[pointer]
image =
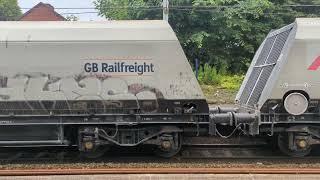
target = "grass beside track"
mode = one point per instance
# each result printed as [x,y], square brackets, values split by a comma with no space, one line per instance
[218,95]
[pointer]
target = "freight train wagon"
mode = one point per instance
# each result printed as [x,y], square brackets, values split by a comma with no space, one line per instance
[128,83]
[93,84]
[282,87]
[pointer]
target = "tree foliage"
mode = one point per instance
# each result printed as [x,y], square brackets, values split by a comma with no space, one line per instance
[72,18]
[222,33]
[121,9]
[9,10]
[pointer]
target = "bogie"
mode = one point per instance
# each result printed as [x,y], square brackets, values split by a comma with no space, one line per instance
[294,144]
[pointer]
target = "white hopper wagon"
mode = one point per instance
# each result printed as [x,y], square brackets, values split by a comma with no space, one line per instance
[60,79]
[282,87]
[128,83]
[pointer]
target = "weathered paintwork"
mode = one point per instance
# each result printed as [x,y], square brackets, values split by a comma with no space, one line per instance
[296,67]
[93,61]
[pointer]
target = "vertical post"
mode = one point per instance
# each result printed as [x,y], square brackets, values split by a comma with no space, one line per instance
[165,5]
[197,67]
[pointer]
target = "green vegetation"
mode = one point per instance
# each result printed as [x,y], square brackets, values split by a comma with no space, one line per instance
[218,95]
[9,10]
[217,87]
[208,75]
[72,18]
[231,82]
[222,33]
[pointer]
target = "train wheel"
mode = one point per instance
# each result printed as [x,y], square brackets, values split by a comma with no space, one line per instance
[97,153]
[299,151]
[170,145]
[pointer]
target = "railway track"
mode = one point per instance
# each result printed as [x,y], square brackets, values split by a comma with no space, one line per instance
[195,148]
[192,149]
[192,160]
[46,172]
[187,152]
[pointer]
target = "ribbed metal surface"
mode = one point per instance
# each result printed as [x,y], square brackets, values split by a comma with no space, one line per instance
[263,67]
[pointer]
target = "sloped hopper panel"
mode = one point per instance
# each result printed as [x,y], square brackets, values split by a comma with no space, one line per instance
[264,63]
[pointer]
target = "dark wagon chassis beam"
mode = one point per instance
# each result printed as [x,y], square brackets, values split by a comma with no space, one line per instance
[127,126]
[123,119]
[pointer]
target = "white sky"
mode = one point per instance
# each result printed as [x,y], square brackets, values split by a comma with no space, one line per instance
[66,4]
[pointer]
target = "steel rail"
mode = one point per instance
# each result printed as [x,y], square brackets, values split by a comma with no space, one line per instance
[44,172]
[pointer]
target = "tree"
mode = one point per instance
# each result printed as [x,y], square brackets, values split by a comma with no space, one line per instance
[9,10]
[233,31]
[72,18]
[222,33]
[120,9]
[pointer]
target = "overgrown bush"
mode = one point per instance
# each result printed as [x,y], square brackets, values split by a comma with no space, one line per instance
[208,75]
[231,82]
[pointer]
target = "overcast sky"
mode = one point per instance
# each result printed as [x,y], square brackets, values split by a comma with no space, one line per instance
[66,4]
